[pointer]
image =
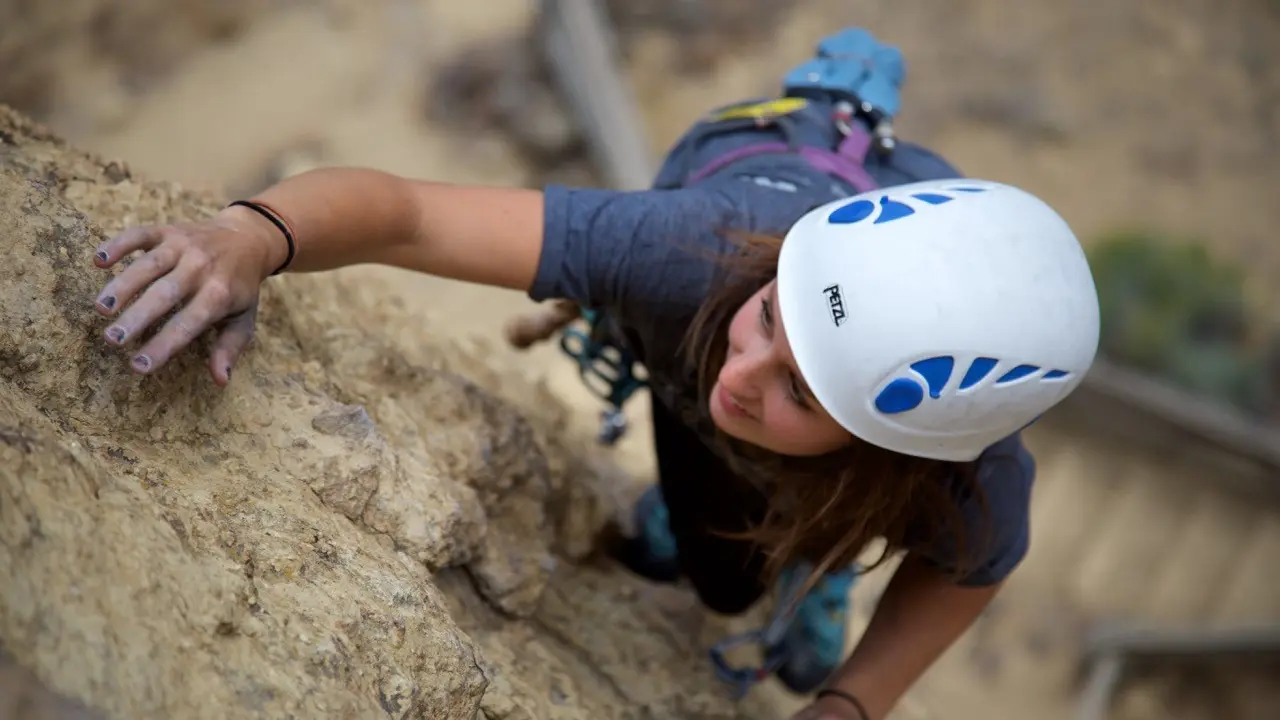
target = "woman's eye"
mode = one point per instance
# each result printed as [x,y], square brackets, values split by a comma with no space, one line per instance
[797,394]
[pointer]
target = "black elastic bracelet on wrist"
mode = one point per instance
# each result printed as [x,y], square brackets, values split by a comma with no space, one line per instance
[847,697]
[276,220]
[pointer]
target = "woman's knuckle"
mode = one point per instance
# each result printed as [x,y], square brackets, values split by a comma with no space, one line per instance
[219,292]
[199,259]
[158,258]
[169,290]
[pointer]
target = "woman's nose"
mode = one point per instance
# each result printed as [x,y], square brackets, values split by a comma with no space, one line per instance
[741,374]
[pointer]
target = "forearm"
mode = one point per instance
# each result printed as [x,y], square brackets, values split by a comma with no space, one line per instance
[349,216]
[919,616]
[341,216]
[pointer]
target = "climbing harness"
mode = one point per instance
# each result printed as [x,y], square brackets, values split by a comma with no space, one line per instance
[607,369]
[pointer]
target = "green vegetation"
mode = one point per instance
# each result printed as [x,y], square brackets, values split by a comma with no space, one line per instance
[1172,310]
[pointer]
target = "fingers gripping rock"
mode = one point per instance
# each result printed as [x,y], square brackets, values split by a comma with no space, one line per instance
[50,336]
[161,552]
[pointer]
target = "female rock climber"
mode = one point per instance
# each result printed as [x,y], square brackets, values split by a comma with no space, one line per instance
[843,339]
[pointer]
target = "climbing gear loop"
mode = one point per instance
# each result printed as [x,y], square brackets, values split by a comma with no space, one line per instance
[608,370]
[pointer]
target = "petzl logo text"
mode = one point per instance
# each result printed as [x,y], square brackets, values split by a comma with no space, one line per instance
[835,303]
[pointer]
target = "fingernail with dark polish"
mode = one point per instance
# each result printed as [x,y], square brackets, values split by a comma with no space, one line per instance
[116,334]
[142,362]
[228,372]
[102,255]
[108,302]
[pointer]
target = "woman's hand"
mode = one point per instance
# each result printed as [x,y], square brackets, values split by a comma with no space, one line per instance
[210,272]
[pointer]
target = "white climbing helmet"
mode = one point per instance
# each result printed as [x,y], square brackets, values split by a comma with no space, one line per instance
[936,318]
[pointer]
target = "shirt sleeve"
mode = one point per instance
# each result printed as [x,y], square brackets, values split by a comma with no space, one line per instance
[999,537]
[610,248]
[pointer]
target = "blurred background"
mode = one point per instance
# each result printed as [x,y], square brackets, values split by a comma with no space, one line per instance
[1152,589]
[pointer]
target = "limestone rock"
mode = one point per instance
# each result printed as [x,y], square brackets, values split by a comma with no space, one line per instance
[360,525]
[170,550]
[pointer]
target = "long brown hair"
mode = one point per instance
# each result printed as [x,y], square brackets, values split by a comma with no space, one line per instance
[828,509]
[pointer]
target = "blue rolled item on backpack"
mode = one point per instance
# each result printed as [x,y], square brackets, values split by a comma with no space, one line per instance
[852,62]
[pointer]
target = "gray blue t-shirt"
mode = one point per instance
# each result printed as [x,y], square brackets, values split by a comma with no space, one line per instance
[634,254]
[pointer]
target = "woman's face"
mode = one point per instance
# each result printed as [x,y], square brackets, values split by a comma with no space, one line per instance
[759,396]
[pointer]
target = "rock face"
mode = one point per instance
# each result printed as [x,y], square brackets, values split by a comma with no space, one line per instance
[355,527]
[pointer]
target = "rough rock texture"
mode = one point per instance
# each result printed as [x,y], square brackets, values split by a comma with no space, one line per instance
[354,528]
[161,550]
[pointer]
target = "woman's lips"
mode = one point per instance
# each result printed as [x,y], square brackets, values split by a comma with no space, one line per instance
[729,405]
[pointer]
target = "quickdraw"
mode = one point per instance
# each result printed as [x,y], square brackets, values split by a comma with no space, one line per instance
[608,370]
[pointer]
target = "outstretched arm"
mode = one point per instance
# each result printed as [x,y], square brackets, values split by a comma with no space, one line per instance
[210,271]
[349,216]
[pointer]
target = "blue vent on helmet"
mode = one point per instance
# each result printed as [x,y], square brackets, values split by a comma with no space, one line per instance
[978,369]
[904,394]
[936,371]
[933,198]
[854,212]
[1017,374]
[900,396]
[890,208]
